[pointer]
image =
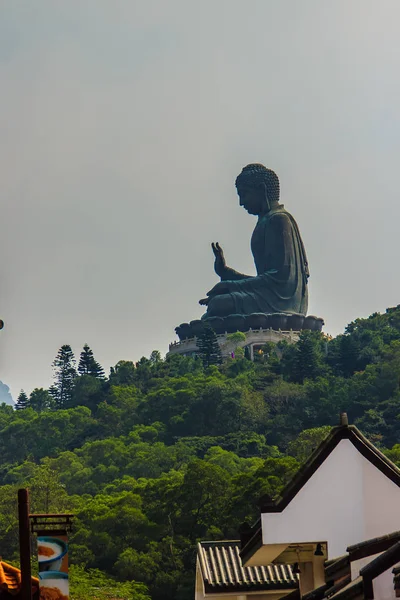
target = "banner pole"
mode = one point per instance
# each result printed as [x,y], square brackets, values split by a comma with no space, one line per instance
[24,544]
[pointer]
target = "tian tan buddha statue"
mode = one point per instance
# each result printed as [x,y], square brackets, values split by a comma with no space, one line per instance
[280,285]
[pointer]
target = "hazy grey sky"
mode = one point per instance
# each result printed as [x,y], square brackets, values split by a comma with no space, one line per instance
[123,126]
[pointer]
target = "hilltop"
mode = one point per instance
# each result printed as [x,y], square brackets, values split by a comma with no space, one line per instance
[165,452]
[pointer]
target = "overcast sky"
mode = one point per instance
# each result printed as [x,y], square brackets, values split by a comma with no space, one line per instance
[123,126]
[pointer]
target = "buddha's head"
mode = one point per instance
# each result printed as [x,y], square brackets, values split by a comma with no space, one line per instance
[258,189]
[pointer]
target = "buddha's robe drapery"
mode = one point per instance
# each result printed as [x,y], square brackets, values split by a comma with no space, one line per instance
[282,272]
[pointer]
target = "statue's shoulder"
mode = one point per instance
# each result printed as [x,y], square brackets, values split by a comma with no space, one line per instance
[282,219]
[279,213]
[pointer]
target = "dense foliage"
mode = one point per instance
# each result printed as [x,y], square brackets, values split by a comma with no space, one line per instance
[163,453]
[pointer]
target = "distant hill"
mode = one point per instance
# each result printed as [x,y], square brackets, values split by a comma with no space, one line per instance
[5,394]
[166,452]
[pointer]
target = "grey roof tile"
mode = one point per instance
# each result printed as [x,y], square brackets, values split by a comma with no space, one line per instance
[222,570]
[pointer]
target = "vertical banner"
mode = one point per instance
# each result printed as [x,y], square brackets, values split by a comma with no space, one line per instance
[53,567]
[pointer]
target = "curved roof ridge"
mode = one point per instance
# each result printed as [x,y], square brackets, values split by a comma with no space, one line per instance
[320,454]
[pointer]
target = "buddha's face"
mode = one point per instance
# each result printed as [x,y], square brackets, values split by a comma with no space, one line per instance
[252,199]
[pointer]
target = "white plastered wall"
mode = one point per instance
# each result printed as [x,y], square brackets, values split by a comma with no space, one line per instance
[345,502]
[357,565]
[383,586]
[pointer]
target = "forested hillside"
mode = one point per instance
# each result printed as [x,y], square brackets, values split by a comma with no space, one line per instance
[163,453]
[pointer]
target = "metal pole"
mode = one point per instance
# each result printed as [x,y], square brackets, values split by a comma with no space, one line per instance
[24,544]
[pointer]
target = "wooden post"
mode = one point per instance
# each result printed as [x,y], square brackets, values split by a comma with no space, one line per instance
[24,544]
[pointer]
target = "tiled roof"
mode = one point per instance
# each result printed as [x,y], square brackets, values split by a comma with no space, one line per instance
[362,586]
[222,570]
[337,568]
[382,562]
[328,590]
[10,579]
[317,594]
[373,546]
[354,589]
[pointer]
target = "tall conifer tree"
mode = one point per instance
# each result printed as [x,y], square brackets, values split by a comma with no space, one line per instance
[64,376]
[22,401]
[88,365]
[209,350]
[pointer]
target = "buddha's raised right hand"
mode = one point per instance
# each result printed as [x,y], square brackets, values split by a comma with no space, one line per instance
[219,263]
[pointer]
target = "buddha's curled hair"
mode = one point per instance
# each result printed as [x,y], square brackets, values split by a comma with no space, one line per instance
[255,174]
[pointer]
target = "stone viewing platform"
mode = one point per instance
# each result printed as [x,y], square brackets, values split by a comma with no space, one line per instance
[273,328]
[254,341]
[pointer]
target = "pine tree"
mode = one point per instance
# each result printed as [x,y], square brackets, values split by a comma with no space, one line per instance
[88,365]
[209,350]
[64,376]
[22,401]
[53,391]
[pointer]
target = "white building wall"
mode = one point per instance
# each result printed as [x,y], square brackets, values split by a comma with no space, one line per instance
[346,501]
[357,565]
[381,502]
[384,587]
